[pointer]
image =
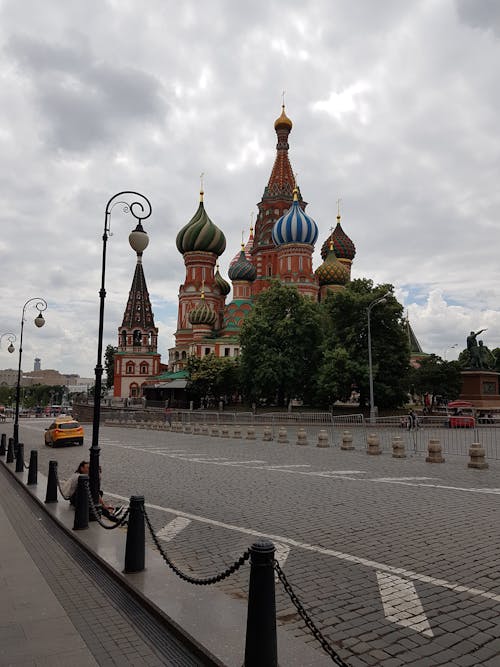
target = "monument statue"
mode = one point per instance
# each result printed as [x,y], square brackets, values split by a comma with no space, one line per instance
[477,353]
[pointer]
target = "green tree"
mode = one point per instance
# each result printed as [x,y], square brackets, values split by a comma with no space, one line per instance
[346,327]
[212,377]
[109,365]
[336,375]
[281,346]
[437,377]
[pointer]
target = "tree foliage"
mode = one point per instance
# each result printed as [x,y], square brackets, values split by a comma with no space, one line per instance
[109,365]
[211,377]
[281,346]
[437,377]
[345,348]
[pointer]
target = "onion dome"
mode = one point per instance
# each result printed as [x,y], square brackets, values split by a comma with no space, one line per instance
[202,314]
[343,246]
[295,226]
[283,120]
[242,269]
[248,249]
[223,285]
[201,234]
[332,272]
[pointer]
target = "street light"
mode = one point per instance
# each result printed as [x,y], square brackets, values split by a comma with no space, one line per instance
[450,347]
[40,305]
[382,299]
[12,339]
[138,239]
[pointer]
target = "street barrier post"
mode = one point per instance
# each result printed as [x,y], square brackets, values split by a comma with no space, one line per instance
[3,442]
[33,469]
[10,451]
[82,504]
[261,648]
[51,494]
[20,457]
[135,547]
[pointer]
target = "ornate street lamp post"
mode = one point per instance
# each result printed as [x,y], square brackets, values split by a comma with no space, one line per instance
[12,340]
[382,299]
[140,208]
[41,306]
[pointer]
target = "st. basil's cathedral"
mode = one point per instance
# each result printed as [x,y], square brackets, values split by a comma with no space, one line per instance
[280,248]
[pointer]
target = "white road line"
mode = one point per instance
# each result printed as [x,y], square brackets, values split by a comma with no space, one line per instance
[289,465]
[401,603]
[330,473]
[319,473]
[173,528]
[366,562]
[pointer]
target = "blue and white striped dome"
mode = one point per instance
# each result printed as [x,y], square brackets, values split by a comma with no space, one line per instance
[295,226]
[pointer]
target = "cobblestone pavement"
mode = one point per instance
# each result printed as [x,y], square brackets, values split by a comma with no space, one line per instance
[396,560]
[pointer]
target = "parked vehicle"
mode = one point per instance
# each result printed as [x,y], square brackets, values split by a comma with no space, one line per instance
[64,431]
[461,414]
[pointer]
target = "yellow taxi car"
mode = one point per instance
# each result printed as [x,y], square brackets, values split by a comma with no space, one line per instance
[64,431]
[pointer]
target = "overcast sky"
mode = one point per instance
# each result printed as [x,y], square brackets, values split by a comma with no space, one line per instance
[394,108]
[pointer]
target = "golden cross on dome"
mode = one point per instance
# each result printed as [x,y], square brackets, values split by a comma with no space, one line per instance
[338,207]
[283,98]
[201,185]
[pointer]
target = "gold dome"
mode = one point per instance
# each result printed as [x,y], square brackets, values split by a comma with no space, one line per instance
[283,120]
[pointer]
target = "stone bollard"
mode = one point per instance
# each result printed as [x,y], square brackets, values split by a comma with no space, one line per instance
[188,428]
[3,445]
[282,435]
[204,429]
[196,429]
[346,443]
[268,434]
[302,436]
[224,431]
[323,439]
[251,433]
[398,447]
[434,452]
[237,432]
[135,547]
[215,430]
[373,442]
[476,453]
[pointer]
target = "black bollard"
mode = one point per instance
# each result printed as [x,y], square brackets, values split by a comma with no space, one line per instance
[3,448]
[10,451]
[135,548]
[82,504]
[51,495]
[261,644]
[20,457]
[33,469]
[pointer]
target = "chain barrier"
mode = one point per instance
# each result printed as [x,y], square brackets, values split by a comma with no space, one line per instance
[307,619]
[60,488]
[194,580]
[120,522]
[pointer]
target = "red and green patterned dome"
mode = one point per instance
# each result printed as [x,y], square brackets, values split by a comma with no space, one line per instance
[332,272]
[223,285]
[343,246]
[202,314]
[201,234]
[242,269]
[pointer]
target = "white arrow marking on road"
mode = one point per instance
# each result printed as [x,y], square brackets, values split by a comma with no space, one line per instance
[402,604]
[173,528]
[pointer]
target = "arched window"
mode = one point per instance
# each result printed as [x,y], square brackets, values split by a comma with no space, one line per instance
[183,356]
[144,368]
[124,338]
[130,368]
[137,337]
[134,390]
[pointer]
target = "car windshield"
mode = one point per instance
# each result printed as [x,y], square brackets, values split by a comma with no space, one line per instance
[68,425]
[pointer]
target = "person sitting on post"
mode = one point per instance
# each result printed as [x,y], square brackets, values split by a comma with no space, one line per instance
[70,486]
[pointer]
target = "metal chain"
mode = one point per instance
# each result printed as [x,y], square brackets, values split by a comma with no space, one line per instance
[60,488]
[307,619]
[95,512]
[194,580]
